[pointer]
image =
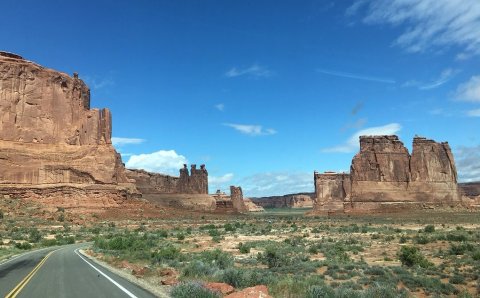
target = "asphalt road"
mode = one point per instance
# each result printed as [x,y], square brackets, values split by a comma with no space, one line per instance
[62,272]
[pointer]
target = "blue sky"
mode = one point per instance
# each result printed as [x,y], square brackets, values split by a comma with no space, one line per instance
[264,92]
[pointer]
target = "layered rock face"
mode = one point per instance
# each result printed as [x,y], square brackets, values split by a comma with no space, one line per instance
[189,190]
[300,200]
[49,135]
[385,176]
[331,189]
[470,194]
[186,183]
[236,195]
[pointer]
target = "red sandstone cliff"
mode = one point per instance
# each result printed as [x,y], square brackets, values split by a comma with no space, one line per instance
[385,177]
[49,135]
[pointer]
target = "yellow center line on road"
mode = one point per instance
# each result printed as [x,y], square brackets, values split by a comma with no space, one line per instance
[13,293]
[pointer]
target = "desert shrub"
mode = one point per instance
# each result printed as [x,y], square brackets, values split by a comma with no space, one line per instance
[242,278]
[229,227]
[197,269]
[274,257]
[24,245]
[1,214]
[460,249]
[457,279]
[476,255]
[421,239]
[181,236]
[34,235]
[244,248]
[411,256]
[165,253]
[192,289]
[429,229]
[217,258]
[162,233]
[318,291]
[456,237]
[403,239]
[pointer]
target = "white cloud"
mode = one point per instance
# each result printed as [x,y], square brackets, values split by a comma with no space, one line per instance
[116,141]
[468,163]
[220,107]
[352,144]
[220,179]
[255,70]
[99,83]
[252,130]
[354,76]
[429,24]
[163,161]
[277,183]
[220,182]
[473,113]
[444,77]
[469,91]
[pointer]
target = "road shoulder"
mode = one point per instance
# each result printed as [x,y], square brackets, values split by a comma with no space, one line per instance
[159,291]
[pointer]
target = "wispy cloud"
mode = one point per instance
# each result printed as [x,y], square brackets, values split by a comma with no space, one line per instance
[251,130]
[162,161]
[221,182]
[352,144]
[443,78]
[99,83]
[277,183]
[356,76]
[220,179]
[429,24]
[469,91]
[468,163]
[473,113]
[257,71]
[116,141]
[220,107]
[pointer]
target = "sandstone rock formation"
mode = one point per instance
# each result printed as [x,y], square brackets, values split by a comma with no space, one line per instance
[195,182]
[300,200]
[252,207]
[236,195]
[50,137]
[233,203]
[470,194]
[189,190]
[330,191]
[385,177]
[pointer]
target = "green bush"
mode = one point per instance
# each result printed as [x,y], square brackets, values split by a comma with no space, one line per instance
[34,235]
[198,269]
[192,289]
[165,253]
[24,245]
[218,258]
[429,229]
[411,256]
[457,279]
[244,248]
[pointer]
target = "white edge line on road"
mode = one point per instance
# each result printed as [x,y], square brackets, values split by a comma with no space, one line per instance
[107,277]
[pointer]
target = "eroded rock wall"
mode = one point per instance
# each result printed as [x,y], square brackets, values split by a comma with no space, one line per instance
[195,182]
[331,190]
[300,200]
[236,195]
[48,133]
[385,176]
